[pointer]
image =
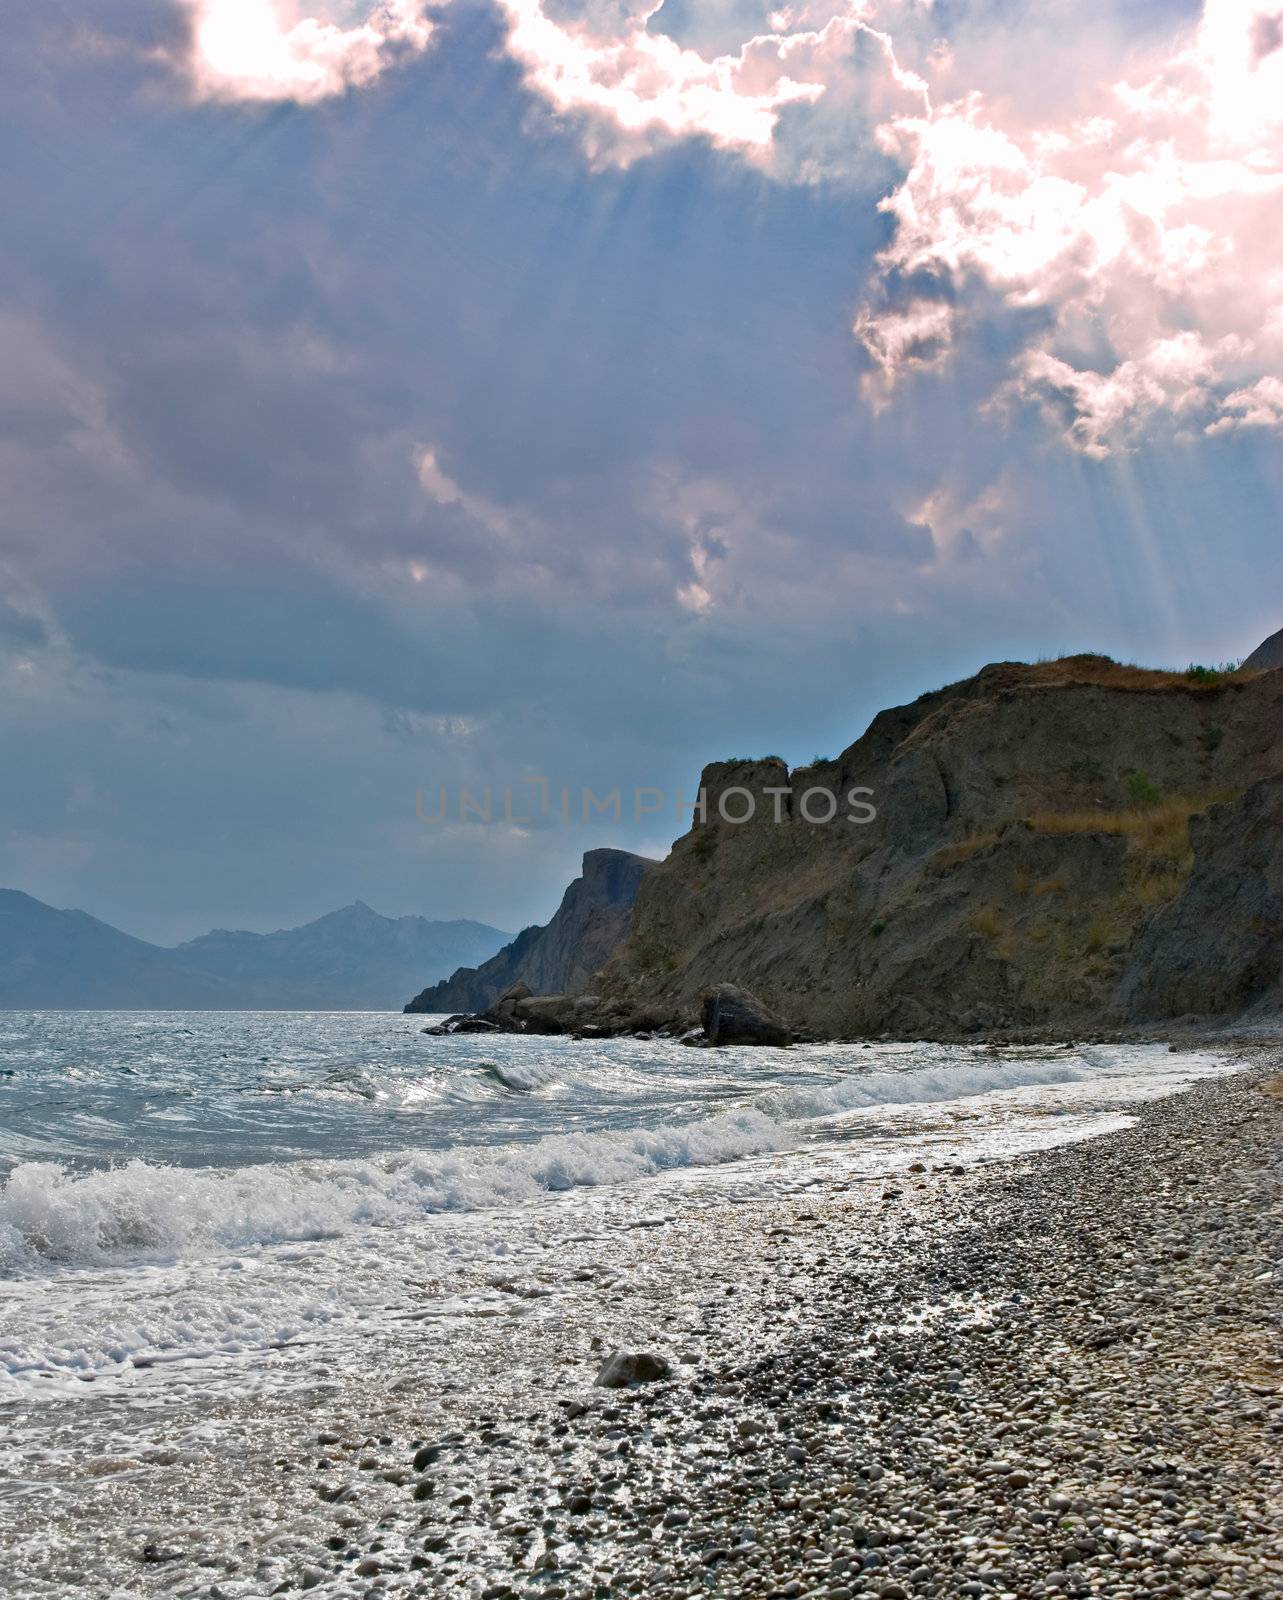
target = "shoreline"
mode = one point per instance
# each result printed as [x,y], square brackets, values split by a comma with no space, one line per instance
[1092,1403]
[882,1385]
[1062,1378]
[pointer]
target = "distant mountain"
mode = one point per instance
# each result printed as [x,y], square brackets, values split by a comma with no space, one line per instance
[352,959]
[562,956]
[68,958]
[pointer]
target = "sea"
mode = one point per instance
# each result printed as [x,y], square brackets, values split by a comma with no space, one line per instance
[218,1228]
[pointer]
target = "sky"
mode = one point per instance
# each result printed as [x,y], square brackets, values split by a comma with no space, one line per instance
[400,397]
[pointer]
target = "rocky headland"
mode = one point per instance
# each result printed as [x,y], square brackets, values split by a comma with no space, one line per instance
[560,957]
[1068,848]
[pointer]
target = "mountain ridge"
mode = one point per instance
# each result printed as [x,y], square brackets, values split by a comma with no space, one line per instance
[349,959]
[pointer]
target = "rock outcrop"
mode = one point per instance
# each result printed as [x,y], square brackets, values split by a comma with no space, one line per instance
[518,1011]
[1032,853]
[560,958]
[732,1015]
[1267,657]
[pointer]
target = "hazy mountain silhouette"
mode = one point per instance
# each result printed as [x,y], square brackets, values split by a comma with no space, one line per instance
[352,959]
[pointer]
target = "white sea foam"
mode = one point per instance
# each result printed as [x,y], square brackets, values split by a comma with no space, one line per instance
[921,1086]
[193,1270]
[140,1212]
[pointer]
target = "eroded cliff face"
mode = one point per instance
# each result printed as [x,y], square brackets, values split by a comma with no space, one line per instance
[1217,949]
[1032,840]
[561,957]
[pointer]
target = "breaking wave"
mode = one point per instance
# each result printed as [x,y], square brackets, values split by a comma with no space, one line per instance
[921,1086]
[142,1212]
[53,1216]
[522,1076]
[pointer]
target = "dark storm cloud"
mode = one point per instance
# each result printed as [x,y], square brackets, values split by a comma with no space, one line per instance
[274,307]
[659,522]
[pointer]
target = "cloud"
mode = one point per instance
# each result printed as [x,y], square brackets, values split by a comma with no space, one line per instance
[21,630]
[1140,230]
[265,50]
[636,87]
[1127,222]
[962,526]
[1259,406]
[916,337]
[442,490]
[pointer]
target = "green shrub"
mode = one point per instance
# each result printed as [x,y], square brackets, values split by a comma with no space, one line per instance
[703,844]
[1142,790]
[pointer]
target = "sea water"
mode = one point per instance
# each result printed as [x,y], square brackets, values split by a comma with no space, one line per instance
[213,1223]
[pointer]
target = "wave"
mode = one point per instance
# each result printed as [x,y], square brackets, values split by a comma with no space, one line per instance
[345,1082]
[522,1076]
[959,1080]
[50,1215]
[140,1212]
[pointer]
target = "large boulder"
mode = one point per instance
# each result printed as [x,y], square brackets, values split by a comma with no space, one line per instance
[504,1010]
[734,1016]
[627,1367]
[546,1013]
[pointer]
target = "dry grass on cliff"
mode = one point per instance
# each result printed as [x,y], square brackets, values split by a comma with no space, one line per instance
[1106,673]
[953,855]
[1159,862]
[1157,830]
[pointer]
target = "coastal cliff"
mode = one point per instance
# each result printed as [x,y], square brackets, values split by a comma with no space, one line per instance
[1217,948]
[1060,846]
[560,957]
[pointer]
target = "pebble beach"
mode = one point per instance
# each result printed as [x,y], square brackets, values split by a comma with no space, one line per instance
[1052,1374]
